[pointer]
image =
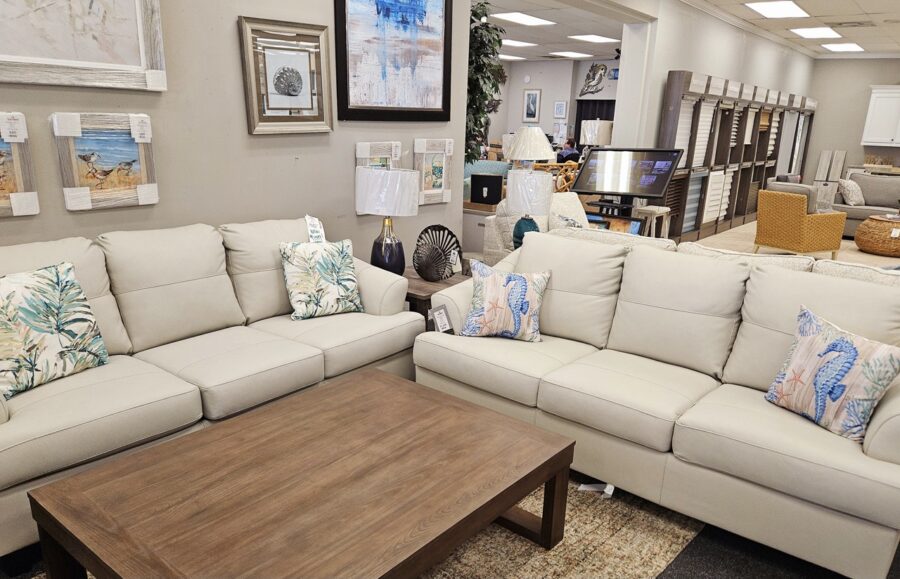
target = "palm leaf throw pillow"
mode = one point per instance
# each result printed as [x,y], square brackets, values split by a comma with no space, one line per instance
[320,278]
[833,377]
[47,329]
[507,305]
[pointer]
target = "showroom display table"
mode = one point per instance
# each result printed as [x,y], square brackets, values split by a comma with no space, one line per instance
[876,235]
[369,475]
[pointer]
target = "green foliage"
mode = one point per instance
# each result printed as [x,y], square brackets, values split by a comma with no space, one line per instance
[486,77]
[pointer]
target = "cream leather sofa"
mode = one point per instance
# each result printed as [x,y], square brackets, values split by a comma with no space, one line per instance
[196,321]
[656,363]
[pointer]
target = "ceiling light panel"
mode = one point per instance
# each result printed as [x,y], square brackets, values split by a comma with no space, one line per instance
[523,19]
[823,32]
[593,38]
[844,47]
[510,57]
[569,54]
[517,43]
[780,9]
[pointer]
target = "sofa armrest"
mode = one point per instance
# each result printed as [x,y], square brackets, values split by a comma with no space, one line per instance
[4,411]
[882,439]
[382,292]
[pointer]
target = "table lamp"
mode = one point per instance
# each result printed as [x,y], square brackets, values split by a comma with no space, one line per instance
[529,192]
[390,193]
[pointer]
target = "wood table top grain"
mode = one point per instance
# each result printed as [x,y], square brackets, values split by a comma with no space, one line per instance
[369,475]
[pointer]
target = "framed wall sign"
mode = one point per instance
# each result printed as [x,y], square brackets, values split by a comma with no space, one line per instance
[559,109]
[101,43]
[286,80]
[106,160]
[531,105]
[17,188]
[393,59]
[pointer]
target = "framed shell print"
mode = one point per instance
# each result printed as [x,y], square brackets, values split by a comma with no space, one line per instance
[101,43]
[17,188]
[286,79]
[106,160]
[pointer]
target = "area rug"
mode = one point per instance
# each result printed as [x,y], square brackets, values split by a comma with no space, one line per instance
[620,537]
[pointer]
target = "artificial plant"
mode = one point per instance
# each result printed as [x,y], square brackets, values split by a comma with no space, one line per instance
[486,77]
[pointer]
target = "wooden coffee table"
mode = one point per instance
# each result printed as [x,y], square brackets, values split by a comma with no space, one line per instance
[367,476]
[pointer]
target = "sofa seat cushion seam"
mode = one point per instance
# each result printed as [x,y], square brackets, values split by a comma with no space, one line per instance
[642,379]
[87,385]
[207,388]
[295,338]
[489,363]
[619,404]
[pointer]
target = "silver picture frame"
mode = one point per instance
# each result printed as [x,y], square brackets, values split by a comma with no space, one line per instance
[150,75]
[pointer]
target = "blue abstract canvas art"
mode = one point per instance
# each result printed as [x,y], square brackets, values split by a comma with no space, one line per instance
[395,54]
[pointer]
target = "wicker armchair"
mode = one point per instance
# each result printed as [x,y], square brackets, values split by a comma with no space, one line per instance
[784,223]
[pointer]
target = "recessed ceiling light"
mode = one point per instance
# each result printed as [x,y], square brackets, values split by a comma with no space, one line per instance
[509,57]
[844,47]
[824,32]
[569,54]
[517,43]
[523,19]
[782,9]
[593,38]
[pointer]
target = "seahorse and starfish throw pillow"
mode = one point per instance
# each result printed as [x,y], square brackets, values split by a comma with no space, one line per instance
[320,278]
[507,305]
[47,329]
[833,377]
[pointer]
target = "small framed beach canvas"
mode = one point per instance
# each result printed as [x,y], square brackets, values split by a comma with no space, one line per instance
[17,188]
[432,161]
[106,160]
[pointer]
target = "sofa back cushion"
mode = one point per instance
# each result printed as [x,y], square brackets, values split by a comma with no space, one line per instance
[774,298]
[254,263]
[90,271]
[858,271]
[794,262]
[626,240]
[678,308]
[171,284]
[879,190]
[580,300]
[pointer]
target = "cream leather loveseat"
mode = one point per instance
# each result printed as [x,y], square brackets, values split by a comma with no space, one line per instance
[657,361]
[196,321]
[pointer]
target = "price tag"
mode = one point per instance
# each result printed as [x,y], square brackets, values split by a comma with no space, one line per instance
[895,233]
[141,131]
[13,128]
[455,261]
[315,229]
[441,319]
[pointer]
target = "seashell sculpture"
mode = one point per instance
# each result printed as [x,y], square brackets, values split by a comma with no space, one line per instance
[435,248]
[288,81]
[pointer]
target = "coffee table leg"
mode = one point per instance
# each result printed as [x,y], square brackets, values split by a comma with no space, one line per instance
[60,564]
[547,530]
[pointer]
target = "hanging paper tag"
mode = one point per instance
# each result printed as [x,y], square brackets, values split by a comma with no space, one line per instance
[315,229]
[78,198]
[13,128]
[441,319]
[67,124]
[148,194]
[24,203]
[455,261]
[141,130]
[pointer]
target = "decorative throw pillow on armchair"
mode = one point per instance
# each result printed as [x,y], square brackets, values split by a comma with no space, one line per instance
[47,329]
[833,377]
[506,305]
[851,192]
[320,278]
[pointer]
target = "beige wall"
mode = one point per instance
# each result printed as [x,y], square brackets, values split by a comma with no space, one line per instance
[842,88]
[209,169]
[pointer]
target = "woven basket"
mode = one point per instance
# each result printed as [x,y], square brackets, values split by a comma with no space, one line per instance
[874,236]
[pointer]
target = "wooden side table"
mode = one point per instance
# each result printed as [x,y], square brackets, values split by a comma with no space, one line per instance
[874,235]
[420,291]
[651,212]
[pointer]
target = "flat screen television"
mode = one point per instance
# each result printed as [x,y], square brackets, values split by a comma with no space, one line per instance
[643,173]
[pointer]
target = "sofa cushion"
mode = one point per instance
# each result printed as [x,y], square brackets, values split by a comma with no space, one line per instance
[857,271]
[677,308]
[774,298]
[580,300]
[238,368]
[735,431]
[254,263]
[807,191]
[90,414]
[171,284]
[349,341]
[320,278]
[794,262]
[863,212]
[626,240]
[851,192]
[90,271]
[881,190]
[47,329]
[628,396]
[510,369]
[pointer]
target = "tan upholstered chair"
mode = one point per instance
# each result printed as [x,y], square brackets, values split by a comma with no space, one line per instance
[788,221]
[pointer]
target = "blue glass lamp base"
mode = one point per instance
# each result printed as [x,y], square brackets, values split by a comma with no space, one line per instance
[523,226]
[387,250]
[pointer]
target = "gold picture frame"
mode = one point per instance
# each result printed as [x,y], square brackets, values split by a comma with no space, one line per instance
[287,81]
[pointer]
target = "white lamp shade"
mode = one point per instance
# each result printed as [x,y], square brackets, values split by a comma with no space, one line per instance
[596,133]
[507,144]
[531,144]
[392,193]
[529,192]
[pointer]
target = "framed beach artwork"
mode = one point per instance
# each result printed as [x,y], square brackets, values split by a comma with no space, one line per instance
[432,161]
[286,80]
[531,106]
[18,195]
[106,160]
[99,43]
[393,59]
